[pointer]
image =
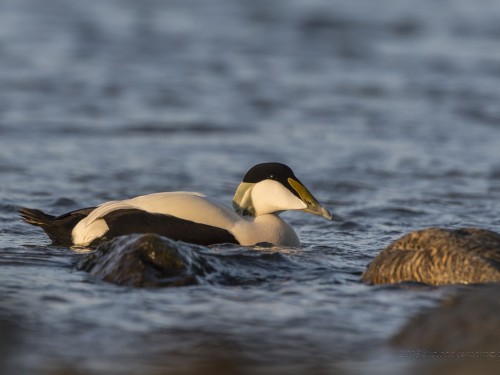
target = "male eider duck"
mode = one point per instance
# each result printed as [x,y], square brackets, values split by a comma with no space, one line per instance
[266,190]
[438,256]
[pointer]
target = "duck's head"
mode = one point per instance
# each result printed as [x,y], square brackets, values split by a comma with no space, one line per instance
[273,187]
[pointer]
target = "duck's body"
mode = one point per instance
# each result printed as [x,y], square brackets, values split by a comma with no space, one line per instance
[201,220]
[266,190]
[438,256]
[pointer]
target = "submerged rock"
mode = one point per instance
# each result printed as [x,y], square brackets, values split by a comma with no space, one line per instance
[145,260]
[439,256]
[150,260]
[461,336]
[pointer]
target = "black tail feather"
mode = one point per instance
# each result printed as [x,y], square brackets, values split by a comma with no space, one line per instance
[58,228]
[35,217]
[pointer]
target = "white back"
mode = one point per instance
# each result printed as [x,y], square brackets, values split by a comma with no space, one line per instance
[185,205]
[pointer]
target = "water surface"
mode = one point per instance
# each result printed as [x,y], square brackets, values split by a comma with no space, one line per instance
[387,111]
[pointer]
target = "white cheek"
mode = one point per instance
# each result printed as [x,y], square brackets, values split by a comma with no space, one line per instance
[270,196]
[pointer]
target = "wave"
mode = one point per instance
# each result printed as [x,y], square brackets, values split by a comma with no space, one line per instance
[149,260]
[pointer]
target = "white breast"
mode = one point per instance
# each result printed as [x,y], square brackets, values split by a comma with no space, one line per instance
[266,228]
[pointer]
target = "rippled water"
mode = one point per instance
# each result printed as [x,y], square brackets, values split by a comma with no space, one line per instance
[387,110]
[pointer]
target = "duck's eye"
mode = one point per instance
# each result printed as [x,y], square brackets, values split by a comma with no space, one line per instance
[272,177]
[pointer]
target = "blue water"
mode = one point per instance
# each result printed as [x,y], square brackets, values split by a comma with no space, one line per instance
[387,110]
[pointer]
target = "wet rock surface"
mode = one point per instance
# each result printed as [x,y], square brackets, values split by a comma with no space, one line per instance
[150,260]
[460,336]
[145,260]
[439,256]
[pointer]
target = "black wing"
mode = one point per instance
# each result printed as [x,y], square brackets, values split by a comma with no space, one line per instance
[130,221]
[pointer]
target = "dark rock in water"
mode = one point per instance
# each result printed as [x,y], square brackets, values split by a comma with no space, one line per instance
[9,343]
[145,260]
[439,256]
[150,260]
[461,336]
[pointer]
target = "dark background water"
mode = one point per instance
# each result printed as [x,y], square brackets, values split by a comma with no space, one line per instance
[388,110]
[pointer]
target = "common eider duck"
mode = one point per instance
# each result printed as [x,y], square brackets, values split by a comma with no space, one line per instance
[438,256]
[266,190]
